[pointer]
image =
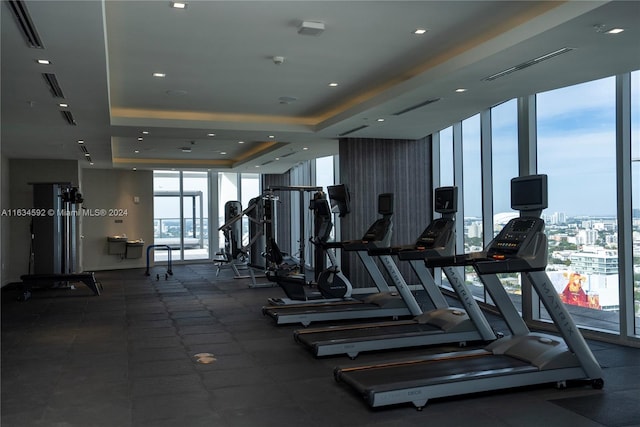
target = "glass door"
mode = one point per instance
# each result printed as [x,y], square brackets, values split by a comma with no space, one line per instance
[180,215]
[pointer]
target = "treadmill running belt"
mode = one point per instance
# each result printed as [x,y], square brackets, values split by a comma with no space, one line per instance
[426,373]
[320,308]
[365,333]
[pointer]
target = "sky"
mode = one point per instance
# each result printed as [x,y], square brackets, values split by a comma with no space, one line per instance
[576,149]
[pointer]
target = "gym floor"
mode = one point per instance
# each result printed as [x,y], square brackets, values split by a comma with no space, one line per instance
[133,357]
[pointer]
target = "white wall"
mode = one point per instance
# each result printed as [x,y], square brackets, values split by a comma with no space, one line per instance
[5,228]
[113,191]
[20,173]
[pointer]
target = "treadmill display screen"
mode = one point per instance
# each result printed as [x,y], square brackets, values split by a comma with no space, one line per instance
[445,200]
[529,193]
[340,200]
[385,204]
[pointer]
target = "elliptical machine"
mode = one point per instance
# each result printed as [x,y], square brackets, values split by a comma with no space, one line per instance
[330,283]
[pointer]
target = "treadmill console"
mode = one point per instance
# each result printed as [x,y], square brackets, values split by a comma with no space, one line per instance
[437,235]
[513,236]
[436,241]
[520,246]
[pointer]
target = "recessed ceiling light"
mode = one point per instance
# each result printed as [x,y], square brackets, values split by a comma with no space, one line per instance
[91,163]
[87,154]
[380,120]
[44,61]
[333,84]
[460,90]
[240,142]
[145,132]
[186,149]
[140,138]
[178,5]
[211,134]
[305,148]
[257,166]
[420,31]
[136,151]
[615,31]
[277,158]
[63,105]
[223,152]
[80,141]
[272,136]
[159,75]
[135,169]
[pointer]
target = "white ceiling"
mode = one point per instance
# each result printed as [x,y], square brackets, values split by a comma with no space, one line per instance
[221,77]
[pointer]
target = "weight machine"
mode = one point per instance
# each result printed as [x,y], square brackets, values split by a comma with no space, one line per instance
[235,254]
[53,249]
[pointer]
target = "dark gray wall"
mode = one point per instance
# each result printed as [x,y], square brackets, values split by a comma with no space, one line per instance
[373,166]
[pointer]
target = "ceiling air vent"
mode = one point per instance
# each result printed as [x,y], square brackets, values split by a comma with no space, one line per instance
[266,163]
[415,107]
[353,130]
[52,82]
[69,118]
[288,154]
[528,63]
[25,24]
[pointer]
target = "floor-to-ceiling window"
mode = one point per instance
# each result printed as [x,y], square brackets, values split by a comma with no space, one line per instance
[181,215]
[576,149]
[446,178]
[635,192]
[195,214]
[471,193]
[227,192]
[471,182]
[324,172]
[325,177]
[249,190]
[504,163]
[166,213]
[573,140]
[446,157]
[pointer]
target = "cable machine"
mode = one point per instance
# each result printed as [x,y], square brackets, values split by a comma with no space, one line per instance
[53,241]
[319,261]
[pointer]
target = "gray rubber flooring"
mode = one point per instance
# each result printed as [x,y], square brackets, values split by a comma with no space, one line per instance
[195,350]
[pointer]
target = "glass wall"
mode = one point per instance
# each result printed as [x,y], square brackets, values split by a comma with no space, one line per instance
[249,189]
[324,177]
[325,172]
[635,192]
[577,150]
[504,167]
[472,184]
[471,194]
[167,226]
[575,143]
[446,157]
[195,199]
[227,192]
[180,219]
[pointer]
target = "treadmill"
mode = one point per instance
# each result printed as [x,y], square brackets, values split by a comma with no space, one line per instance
[442,325]
[520,359]
[384,303]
